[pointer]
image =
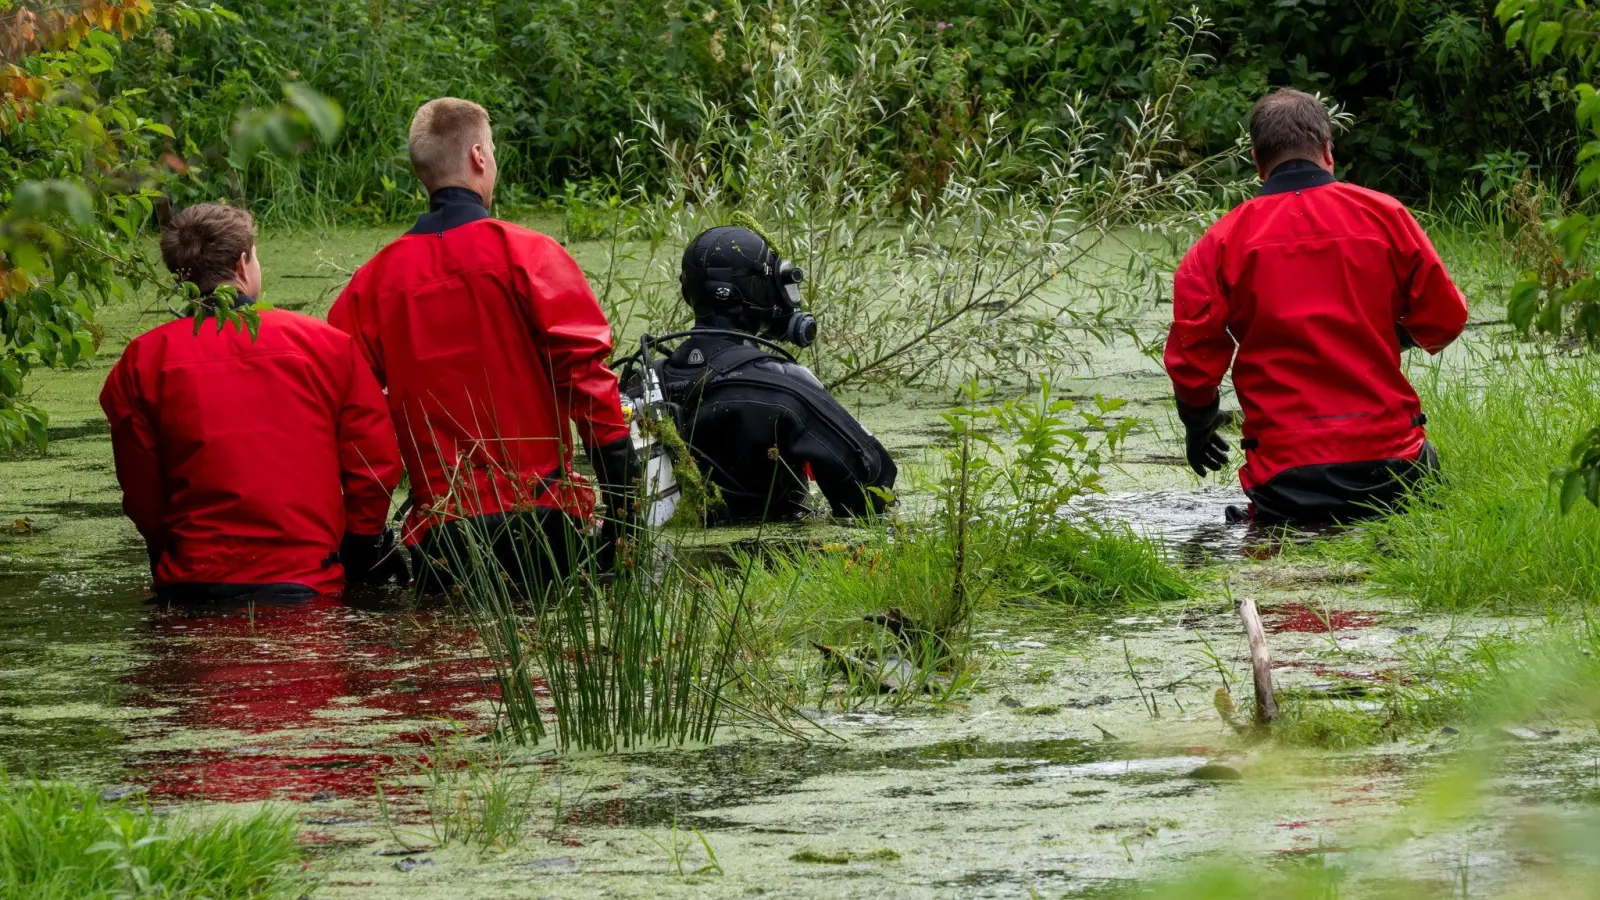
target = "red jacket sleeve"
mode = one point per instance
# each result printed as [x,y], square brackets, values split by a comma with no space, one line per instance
[1435,311]
[347,316]
[369,453]
[572,332]
[1199,347]
[135,449]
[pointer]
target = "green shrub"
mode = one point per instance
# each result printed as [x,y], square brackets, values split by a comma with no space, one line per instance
[1438,94]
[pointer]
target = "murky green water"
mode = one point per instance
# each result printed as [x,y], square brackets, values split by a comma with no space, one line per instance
[1089,757]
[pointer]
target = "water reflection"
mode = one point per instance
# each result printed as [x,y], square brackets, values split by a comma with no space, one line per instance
[296,699]
[1194,524]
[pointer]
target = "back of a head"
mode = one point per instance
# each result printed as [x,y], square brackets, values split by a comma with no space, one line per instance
[203,243]
[442,134]
[723,272]
[1288,124]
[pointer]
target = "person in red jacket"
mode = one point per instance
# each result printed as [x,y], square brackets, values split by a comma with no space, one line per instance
[490,343]
[1310,291]
[251,466]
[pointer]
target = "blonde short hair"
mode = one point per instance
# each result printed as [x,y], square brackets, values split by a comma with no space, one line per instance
[442,132]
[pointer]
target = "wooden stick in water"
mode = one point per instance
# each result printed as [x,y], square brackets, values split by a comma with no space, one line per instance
[1260,662]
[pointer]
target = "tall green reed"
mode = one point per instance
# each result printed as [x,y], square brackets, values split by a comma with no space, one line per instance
[1489,533]
[635,651]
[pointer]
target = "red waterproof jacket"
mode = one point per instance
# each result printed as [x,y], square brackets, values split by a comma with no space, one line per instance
[246,462]
[489,342]
[1309,281]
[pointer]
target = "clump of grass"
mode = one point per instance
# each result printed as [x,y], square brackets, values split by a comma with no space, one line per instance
[642,657]
[474,794]
[62,842]
[1489,533]
[1088,567]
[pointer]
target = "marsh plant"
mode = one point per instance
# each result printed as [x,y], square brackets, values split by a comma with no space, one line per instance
[1031,240]
[891,611]
[473,791]
[64,842]
[644,655]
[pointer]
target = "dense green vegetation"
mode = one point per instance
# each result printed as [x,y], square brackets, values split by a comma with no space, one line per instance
[1491,535]
[64,842]
[1439,100]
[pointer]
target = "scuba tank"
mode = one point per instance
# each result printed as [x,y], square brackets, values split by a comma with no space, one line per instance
[643,397]
[660,489]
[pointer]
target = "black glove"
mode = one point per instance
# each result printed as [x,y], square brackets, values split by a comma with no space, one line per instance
[1407,342]
[373,559]
[618,469]
[1205,451]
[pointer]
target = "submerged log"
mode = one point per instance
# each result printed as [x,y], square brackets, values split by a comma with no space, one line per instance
[1260,662]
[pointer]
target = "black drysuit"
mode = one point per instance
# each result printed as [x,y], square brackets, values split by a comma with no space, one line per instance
[755,422]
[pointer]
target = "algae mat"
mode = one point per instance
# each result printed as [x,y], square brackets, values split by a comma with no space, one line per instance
[1088,759]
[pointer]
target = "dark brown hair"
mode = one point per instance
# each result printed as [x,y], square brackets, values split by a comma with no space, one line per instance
[203,243]
[1288,123]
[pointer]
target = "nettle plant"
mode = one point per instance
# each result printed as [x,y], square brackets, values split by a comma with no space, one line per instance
[1562,293]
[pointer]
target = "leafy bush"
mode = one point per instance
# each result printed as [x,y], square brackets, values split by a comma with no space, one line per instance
[1434,90]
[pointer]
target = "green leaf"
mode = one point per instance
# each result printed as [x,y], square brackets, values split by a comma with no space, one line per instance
[1572,233]
[1514,34]
[1571,487]
[324,114]
[1549,320]
[1544,40]
[1524,303]
[1588,110]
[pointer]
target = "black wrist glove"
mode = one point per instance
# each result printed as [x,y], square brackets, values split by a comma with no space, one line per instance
[618,469]
[1205,451]
[373,559]
[1407,342]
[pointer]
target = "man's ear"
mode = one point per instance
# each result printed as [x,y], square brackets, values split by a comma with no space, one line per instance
[241,266]
[1327,155]
[480,159]
[1260,172]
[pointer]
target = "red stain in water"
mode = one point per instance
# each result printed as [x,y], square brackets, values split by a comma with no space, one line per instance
[229,776]
[294,673]
[1299,617]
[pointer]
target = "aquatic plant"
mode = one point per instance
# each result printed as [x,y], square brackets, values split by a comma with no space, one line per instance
[629,645]
[62,841]
[677,846]
[1488,532]
[473,792]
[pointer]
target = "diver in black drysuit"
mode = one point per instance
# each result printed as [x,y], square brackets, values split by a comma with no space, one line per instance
[757,422]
